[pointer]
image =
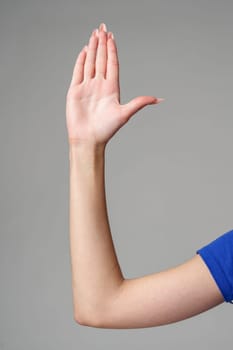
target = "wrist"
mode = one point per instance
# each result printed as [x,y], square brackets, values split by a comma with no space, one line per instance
[86,150]
[89,145]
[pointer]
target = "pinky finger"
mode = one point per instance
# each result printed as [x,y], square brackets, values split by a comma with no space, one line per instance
[78,70]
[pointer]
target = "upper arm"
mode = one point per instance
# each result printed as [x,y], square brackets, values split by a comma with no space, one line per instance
[168,296]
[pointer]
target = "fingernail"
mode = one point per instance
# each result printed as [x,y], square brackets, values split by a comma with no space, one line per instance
[103,27]
[95,32]
[111,35]
[159,99]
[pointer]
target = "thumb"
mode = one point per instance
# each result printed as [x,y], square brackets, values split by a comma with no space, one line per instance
[138,103]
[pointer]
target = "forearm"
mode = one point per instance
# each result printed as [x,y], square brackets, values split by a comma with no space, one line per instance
[96,274]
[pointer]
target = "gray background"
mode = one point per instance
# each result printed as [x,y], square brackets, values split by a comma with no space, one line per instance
[168,170]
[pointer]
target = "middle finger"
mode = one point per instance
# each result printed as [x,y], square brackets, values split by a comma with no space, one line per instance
[101,54]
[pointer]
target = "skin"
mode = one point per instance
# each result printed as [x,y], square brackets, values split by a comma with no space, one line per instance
[102,296]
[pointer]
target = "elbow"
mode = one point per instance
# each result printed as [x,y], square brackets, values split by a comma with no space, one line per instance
[97,314]
[89,323]
[79,320]
[90,320]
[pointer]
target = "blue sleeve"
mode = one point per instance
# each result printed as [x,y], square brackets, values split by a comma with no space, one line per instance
[218,256]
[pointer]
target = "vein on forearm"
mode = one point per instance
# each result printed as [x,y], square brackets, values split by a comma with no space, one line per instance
[96,273]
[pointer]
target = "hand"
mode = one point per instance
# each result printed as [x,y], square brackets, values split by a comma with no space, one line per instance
[93,109]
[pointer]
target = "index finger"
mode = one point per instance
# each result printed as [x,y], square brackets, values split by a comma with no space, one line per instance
[78,69]
[112,72]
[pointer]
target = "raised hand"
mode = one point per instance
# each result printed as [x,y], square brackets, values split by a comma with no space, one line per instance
[93,109]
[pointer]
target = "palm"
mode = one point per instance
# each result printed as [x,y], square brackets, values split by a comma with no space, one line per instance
[93,109]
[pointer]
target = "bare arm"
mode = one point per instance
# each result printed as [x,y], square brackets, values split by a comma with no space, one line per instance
[162,298]
[95,270]
[102,297]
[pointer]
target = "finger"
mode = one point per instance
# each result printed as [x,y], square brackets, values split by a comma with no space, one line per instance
[101,55]
[113,61]
[138,103]
[89,67]
[78,70]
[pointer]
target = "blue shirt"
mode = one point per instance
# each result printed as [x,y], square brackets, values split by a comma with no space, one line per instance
[218,256]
